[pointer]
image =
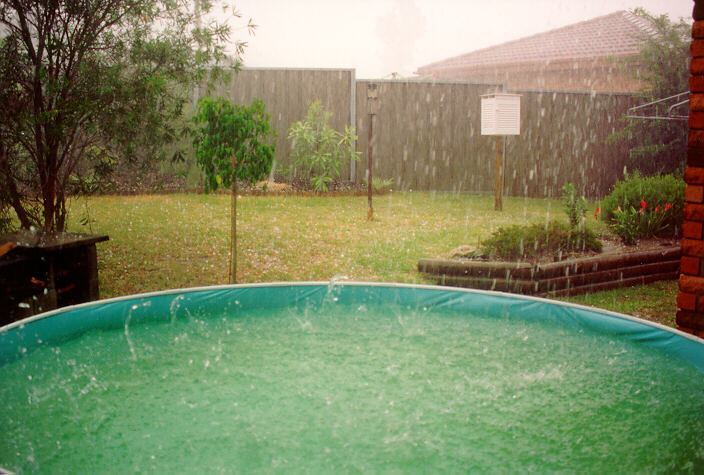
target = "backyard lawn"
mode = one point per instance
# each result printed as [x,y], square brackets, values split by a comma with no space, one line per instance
[162,242]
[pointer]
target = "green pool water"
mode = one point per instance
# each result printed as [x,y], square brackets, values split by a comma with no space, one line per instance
[349,387]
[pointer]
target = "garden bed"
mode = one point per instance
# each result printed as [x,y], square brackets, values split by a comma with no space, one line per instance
[132,182]
[616,266]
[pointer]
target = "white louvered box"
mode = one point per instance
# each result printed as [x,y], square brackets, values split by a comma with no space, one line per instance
[501,114]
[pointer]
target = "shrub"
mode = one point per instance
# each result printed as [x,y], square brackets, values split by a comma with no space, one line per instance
[575,206]
[381,185]
[318,149]
[658,190]
[645,222]
[537,240]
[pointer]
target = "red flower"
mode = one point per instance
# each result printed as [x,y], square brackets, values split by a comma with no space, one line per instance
[657,208]
[643,204]
[596,213]
[668,206]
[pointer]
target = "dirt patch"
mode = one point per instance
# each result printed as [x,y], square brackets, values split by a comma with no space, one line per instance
[611,245]
[616,246]
[299,186]
[138,182]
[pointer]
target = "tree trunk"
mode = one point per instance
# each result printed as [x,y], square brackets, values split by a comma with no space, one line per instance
[13,195]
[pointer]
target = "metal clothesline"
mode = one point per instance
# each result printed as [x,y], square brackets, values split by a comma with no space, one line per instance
[638,113]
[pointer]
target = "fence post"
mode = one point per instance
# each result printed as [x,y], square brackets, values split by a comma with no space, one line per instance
[353,124]
[372,97]
[499,174]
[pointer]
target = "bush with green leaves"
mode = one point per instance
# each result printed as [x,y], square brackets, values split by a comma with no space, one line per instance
[380,185]
[661,66]
[232,141]
[646,222]
[656,191]
[538,240]
[317,149]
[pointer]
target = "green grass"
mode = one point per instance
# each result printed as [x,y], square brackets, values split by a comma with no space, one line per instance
[160,242]
[656,301]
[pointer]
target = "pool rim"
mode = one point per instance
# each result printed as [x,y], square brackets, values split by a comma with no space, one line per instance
[50,313]
[32,332]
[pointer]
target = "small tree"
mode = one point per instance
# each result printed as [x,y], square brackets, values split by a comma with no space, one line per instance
[662,64]
[575,205]
[319,149]
[231,144]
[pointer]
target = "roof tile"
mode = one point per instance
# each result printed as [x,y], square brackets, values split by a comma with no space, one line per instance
[617,34]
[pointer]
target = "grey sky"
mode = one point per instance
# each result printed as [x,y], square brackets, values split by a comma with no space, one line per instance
[378,37]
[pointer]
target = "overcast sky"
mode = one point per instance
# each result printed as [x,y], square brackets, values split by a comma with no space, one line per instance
[380,37]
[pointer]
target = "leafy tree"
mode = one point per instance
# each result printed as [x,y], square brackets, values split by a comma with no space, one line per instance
[659,146]
[231,144]
[319,149]
[82,80]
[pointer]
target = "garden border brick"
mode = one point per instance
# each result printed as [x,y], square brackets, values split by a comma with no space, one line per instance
[567,277]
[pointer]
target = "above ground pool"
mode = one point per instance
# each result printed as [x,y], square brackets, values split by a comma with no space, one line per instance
[346,377]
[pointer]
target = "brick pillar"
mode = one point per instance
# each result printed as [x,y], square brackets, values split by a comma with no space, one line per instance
[690,300]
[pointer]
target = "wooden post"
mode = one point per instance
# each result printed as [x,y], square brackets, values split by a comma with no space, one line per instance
[499,174]
[372,95]
[370,209]
[233,227]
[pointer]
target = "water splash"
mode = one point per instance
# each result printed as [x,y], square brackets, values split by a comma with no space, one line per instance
[175,304]
[334,287]
[127,327]
[335,281]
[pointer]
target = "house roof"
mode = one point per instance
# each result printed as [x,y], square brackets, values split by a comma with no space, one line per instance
[616,34]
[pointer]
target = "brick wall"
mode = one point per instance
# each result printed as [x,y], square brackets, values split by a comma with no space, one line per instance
[690,300]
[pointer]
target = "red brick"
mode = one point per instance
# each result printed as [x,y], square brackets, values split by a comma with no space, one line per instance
[696,119]
[691,284]
[700,303]
[699,334]
[694,193]
[687,302]
[695,157]
[688,321]
[696,83]
[692,229]
[698,11]
[698,29]
[693,212]
[697,48]
[696,138]
[694,175]
[689,265]
[696,66]
[696,102]
[693,247]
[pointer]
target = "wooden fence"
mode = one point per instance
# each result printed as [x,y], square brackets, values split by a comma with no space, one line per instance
[427,134]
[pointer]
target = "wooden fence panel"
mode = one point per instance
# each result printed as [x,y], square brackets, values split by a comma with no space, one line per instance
[564,139]
[427,134]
